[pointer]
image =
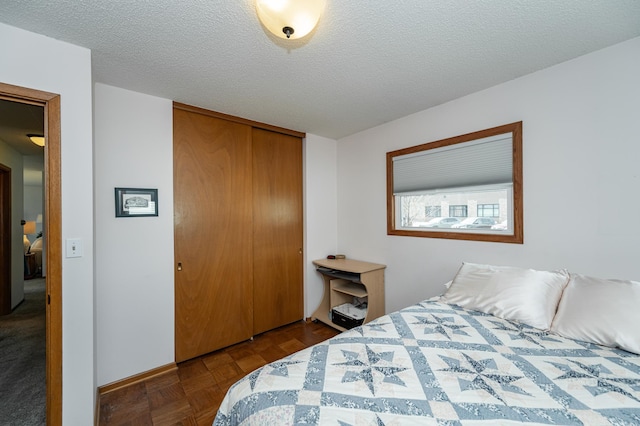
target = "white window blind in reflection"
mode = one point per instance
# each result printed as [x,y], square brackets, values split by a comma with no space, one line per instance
[487,161]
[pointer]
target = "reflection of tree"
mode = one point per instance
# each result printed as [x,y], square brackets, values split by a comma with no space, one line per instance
[411,208]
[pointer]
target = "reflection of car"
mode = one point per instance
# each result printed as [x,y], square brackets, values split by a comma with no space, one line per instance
[441,222]
[502,226]
[475,223]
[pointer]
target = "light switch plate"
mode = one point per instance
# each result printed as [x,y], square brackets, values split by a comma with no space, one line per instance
[74,247]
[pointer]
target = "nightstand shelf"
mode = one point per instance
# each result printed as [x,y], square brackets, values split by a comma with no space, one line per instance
[345,279]
[348,287]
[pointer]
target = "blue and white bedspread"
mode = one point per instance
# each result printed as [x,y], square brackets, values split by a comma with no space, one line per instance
[437,364]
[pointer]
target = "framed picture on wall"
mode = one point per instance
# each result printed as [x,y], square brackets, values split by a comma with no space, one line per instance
[136,202]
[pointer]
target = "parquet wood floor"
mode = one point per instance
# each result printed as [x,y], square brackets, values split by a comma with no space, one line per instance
[192,394]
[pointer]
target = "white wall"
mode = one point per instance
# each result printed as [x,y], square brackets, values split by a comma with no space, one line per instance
[135,281]
[33,190]
[581,177]
[33,205]
[134,255]
[321,212]
[11,158]
[68,73]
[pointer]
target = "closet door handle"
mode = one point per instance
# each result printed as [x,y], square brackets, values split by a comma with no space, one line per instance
[179,266]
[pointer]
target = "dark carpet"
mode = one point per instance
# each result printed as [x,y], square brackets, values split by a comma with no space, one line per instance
[22,359]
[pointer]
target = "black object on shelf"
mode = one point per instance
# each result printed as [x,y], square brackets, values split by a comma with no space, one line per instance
[347,315]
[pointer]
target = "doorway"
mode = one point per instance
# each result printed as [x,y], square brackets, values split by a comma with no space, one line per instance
[52,220]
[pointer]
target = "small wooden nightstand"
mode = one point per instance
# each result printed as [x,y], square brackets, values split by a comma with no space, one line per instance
[30,267]
[346,278]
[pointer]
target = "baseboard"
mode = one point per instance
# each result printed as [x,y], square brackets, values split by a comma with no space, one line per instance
[128,381]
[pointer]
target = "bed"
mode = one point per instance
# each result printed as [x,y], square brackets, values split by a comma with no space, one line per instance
[467,357]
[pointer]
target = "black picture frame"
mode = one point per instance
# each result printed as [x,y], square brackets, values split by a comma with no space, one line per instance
[136,202]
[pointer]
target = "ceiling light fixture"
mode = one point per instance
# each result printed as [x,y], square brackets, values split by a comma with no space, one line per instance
[290,19]
[37,139]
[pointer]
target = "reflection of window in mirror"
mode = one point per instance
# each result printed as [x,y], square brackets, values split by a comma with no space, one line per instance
[467,187]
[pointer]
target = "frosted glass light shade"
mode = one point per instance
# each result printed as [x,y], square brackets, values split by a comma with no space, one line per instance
[290,19]
[37,139]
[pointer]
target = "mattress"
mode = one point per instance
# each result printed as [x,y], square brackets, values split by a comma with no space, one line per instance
[435,363]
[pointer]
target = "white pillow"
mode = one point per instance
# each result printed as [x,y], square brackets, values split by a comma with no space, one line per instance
[604,312]
[523,295]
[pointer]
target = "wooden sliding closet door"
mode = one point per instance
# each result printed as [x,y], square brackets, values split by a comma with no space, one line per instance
[277,230]
[213,233]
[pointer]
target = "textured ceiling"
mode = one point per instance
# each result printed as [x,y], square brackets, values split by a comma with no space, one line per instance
[367,62]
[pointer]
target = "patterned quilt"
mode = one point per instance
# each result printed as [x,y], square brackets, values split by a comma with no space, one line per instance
[438,364]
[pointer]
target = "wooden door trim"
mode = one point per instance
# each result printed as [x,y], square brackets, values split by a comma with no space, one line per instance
[53,225]
[240,120]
